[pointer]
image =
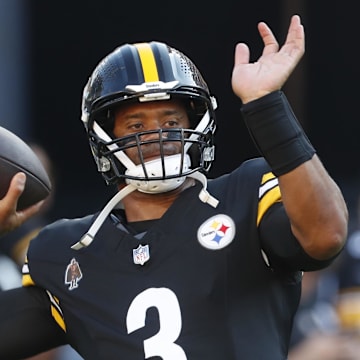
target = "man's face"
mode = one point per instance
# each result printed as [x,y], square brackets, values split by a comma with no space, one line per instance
[155,115]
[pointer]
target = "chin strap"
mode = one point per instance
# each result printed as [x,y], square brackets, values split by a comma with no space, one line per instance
[88,238]
[204,195]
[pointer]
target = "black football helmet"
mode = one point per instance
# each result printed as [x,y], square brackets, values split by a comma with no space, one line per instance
[148,72]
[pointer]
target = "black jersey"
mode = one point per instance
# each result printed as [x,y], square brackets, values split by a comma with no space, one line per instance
[196,286]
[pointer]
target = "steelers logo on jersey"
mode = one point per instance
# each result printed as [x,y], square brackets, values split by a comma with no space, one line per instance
[216,232]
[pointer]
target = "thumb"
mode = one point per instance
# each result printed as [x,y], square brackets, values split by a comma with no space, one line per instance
[18,181]
[242,54]
[16,188]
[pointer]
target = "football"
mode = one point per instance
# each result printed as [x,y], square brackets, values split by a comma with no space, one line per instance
[16,156]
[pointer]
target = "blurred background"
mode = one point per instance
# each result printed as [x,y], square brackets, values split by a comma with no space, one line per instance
[48,50]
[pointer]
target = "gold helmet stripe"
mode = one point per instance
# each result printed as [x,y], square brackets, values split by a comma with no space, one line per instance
[148,62]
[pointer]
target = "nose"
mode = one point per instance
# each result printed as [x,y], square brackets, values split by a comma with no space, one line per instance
[153,133]
[165,135]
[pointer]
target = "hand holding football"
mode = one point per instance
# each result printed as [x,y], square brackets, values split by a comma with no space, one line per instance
[16,156]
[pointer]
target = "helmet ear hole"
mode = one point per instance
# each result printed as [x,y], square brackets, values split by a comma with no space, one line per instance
[106,119]
[195,109]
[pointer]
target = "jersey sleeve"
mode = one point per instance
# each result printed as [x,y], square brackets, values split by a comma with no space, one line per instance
[26,325]
[281,246]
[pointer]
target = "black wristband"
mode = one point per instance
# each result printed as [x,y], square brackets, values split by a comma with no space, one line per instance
[277,133]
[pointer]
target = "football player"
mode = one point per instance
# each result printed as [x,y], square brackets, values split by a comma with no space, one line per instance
[176,266]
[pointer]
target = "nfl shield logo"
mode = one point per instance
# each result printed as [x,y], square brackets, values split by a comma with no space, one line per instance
[141,255]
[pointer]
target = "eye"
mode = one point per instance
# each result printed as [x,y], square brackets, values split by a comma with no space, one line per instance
[135,126]
[173,123]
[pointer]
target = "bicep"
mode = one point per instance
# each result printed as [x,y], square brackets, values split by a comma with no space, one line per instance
[26,325]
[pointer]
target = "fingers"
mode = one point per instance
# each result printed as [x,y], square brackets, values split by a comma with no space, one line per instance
[17,186]
[294,41]
[242,54]
[18,181]
[9,217]
[296,30]
[270,43]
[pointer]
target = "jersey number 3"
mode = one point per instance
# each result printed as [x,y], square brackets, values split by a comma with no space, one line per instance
[163,343]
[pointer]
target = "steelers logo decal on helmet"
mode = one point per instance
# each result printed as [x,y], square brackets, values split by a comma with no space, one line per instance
[216,232]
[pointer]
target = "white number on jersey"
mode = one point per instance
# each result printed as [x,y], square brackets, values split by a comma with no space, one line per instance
[163,343]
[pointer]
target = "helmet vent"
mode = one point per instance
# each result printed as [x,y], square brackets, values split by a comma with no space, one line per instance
[188,68]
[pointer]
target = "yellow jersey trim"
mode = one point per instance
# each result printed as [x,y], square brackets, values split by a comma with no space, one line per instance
[269,193]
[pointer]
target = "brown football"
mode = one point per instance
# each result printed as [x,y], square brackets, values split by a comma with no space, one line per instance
[16,156]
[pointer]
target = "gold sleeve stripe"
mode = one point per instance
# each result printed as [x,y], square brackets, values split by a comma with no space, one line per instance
[27,280]
[26,277]
[268,185]
[148,62]
[58,318]
[266,177]
[269,193]
[54,301]
[56,311]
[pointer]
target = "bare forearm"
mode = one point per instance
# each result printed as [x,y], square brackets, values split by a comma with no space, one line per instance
[316,208]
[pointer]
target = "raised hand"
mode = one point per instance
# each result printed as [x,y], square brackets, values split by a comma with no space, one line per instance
[270,72]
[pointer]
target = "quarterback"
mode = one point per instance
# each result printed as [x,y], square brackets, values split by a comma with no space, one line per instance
[177,266]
